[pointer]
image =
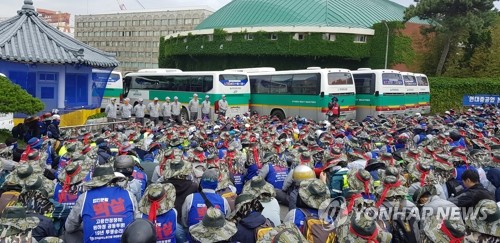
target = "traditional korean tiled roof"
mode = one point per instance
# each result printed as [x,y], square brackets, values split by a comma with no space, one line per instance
[27,38]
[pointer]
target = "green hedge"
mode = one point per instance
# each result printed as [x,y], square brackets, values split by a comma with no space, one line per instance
[447,93]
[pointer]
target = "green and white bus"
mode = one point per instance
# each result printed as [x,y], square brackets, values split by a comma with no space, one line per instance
[411,93]
[424,93]
[304,93]
[378,91]
[148,85]
[113,82]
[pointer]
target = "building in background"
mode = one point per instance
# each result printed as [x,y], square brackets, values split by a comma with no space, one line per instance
[135,36]
[57,19]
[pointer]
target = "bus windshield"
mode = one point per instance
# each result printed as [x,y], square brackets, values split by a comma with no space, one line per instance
[392,79]
[410,80]
[340,79]
[233,79]
[422,81]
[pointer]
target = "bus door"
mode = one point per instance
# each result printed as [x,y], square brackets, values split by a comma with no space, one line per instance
[366,101]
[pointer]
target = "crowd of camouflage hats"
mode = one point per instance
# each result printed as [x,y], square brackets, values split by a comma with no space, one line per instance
[256,178]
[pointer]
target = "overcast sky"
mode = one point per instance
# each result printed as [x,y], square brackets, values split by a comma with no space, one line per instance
[8,8]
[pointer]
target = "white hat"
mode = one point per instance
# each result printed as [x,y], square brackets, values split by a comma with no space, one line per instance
[223,96]
[141,99]
[113,98]
[207,96]
[56,117]
[195,95]
[176,98]
[167,98]
[127,99]
[156,98]
[447,112]
[418,114]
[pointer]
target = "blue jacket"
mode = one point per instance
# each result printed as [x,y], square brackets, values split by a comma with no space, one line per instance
[493,176]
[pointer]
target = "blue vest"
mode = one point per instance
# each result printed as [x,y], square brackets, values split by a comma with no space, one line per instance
[141,176]
[198,207]
[459,143]
[62,163]
[239,182]
[276,175]
[106,212]
[222,153]
[374,154]
[252,171]
[166,225]
[68,200]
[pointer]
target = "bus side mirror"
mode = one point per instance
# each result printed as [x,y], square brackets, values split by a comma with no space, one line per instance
[377,93]
[322,95]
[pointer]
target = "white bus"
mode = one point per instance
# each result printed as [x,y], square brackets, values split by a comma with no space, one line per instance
[304,93]
[159,70]
[113,82]
[424,93]
[379,91]
[148,85]
[411,93]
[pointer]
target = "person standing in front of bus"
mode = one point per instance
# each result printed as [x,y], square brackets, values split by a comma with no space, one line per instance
[333,109]
[166,110]
[126,109]
[205,108]
[223,106]
[139,109]
[194,107]
[154,110]
[111,109]
[176,110]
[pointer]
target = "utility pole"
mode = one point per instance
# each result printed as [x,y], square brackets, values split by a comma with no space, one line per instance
[386,43]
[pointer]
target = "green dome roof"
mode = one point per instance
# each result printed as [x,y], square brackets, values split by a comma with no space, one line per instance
[325,13]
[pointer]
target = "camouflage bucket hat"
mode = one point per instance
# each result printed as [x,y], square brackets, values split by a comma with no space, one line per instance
[241,200]
[486,224]
[33,183]
[363,229]
[51,239]
[74,172]
[442,161]
[176,168]
[15,217]
[420,171]
[257,186]
[411,155]
[102,175]
[164,194]
[439,230]
[213,228]
[360,180]
[393,185]
[284,233]
[313,192]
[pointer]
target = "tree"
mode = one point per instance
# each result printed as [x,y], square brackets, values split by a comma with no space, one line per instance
[16,99]
[456,20]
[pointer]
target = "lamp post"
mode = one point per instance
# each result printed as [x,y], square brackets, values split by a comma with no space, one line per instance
[386,43]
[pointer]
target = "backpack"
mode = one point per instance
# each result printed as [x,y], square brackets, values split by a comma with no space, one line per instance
[263,229]
[454,187]
[338,183]
[8,199]
[315,229]
[229,196]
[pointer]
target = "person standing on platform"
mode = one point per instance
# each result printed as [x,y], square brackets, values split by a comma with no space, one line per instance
[111,109]
[126,109]
[154,110]
[139,112]
[194,107]
[176,110]
[205,108]
[166,109]
[223,106]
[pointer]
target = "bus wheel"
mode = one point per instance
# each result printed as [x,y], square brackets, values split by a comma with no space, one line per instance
[278,113]
[184,114]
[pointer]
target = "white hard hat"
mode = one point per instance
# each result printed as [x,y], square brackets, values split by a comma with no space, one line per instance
[207,96]
[167,98]
[156,98]
[418,114]
[56,116]
[223,96]
[141,99]
[176,98]
[195,95]
[447,112]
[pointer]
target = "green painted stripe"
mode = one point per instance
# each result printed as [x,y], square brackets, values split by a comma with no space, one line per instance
[363,100]
[299,101]
[108,93]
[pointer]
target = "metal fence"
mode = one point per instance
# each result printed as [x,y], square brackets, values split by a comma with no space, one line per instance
[91,127]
